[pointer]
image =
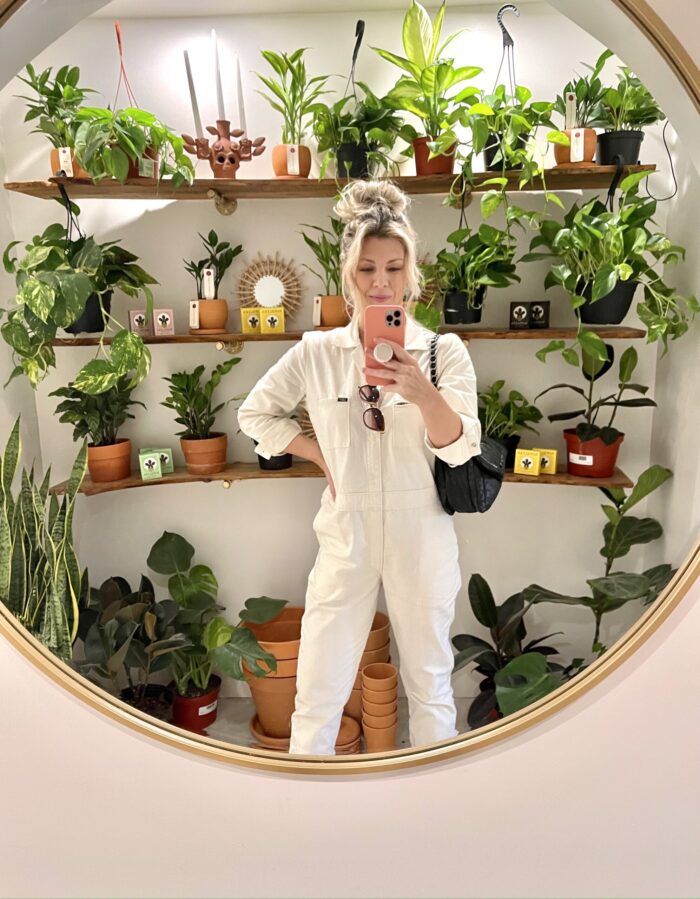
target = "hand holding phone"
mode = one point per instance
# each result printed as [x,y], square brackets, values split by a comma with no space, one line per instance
[387,322]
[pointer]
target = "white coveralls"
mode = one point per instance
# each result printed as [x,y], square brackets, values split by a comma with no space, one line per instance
[386,525]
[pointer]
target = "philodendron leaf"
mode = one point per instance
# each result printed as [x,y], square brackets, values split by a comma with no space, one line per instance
[260,609]
[170,554]
[200,580]
[242,647]
[217,633]
[523,681]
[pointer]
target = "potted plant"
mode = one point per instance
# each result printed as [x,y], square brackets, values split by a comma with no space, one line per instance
[626,110]
[68,284]
[592,448]
[295,96]
[40,579]
[130,639]
[503,420]
[213,313]
[603,256]
[621,532]
[53,110]
[99,419]
[358,139]
[507,629]
[588,91]
[326,249]
[204,449]
[211,641]
[426,90]
[462,275]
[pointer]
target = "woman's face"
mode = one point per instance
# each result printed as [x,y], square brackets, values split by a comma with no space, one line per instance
[381,272]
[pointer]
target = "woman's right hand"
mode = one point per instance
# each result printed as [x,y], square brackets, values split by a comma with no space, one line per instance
[309,449]
[321,462]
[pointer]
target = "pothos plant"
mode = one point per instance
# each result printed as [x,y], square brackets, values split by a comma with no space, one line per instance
[501,419]
[54,279]
[55,103]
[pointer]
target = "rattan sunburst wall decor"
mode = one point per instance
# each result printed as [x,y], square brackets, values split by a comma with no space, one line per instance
[271,281]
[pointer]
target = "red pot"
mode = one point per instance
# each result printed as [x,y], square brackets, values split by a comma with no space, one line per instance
[438,165]
[196,713]
[590,458]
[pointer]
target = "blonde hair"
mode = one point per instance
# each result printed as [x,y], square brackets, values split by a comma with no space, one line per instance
[374,209]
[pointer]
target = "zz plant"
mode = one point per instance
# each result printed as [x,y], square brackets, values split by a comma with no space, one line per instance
[220,256]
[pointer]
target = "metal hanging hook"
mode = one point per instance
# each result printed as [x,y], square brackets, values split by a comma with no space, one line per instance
[508,46]
[507,7]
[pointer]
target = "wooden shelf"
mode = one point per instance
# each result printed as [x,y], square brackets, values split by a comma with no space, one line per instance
[246,471]
[593,177]
[615,332]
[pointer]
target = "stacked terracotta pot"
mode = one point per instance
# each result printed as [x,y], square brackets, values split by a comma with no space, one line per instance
[380,706]
[376,650]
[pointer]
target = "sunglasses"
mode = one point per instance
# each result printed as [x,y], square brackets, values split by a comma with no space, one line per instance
[373,417]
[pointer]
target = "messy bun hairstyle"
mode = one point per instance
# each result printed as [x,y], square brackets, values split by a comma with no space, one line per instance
[374,209]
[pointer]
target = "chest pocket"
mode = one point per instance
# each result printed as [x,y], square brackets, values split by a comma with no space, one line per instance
[408,427]
[333,425]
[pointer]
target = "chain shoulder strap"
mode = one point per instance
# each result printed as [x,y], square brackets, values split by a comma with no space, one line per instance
[433,359]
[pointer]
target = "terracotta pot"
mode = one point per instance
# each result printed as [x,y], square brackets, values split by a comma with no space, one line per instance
[333,311]
[110,463]
[347,740]
[281,638]
[379,739]
[380,676]
[280,163]
[379,633]
[288,613]
[439,165]
[213,315]
[149,153]
[382,709]
[590,458]
[196,713]
[375,655]
[379,696]
[78,170]
[353,707]
[379,721]
[285,668]
[274,702]
[205,456]
[562,154]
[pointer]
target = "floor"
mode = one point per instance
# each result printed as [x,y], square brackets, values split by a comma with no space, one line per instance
[234,714]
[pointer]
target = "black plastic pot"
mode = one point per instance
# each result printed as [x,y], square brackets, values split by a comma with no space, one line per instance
[92,319]
[457,310]
[626,144]
[511,444]
[355,155]
[610,309]
[157,701]
[491,148]
[275,463]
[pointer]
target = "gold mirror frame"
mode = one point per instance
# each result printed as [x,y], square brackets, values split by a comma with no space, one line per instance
[687,574]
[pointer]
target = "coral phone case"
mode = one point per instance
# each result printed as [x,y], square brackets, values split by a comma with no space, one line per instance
[382,321]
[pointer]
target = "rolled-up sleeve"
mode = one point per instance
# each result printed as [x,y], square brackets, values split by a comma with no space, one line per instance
[264,414]
[457,384]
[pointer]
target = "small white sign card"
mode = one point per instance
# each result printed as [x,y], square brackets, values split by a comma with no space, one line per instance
[139,323]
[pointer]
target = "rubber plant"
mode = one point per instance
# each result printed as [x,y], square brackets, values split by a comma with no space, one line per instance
[613,589]
[55,278]
[40,580]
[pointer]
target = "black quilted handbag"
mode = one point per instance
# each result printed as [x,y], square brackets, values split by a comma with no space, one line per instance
[474,485]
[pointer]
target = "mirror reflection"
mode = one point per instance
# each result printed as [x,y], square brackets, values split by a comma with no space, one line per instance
[269,291]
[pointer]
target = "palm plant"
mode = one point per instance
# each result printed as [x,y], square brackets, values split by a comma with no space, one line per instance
[327,251]
[293,94]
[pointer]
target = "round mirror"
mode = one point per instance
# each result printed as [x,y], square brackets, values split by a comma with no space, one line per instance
[269,291]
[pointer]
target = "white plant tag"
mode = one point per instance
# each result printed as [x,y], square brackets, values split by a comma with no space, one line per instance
[64,161]
[205,709]
[292,159]
[576,152]
[194,314]
[317,312]
[208,285]
[570,110]
[579,459]
[147,167]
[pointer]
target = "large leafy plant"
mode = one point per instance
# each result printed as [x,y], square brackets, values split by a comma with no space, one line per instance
[593,368]
[40,580]
[327,252]
[629,105]
[212,641]
[504,418]
[99,417]
[220,256]
[621,532]
[54,279]
[193,400]
[293,94]
[55,104]
[430,88]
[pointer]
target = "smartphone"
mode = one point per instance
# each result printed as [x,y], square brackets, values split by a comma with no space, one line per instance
[382,321]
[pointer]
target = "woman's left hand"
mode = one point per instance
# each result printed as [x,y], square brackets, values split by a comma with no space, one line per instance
[407,378]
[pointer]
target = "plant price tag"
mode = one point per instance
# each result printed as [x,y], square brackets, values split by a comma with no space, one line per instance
[205,709]
[292,159]
[580,459]
[65,161]
[147,167]
[570,110]
[208,284]
[576,152]
[194,314]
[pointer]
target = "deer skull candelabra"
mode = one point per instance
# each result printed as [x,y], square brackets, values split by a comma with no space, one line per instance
[228,151]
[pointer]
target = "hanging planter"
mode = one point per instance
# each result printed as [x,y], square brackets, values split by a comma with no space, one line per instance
[196,713]
[493,145]
[459,311]
[610,309]
[58,166]
[352,161]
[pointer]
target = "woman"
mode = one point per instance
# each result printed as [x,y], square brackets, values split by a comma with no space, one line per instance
[380,520]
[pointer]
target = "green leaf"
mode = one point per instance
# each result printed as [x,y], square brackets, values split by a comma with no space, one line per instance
[490,202]
[620,586]
[628,533]
[96,376]
[216,634]
[260,609]
[647,482]
[170,554]
[417,35]
[482,601]
[126,351]
[242,647]
[524,680]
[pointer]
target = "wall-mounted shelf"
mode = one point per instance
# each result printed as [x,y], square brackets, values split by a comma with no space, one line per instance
[606,333]
[246,471]
[593,177]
